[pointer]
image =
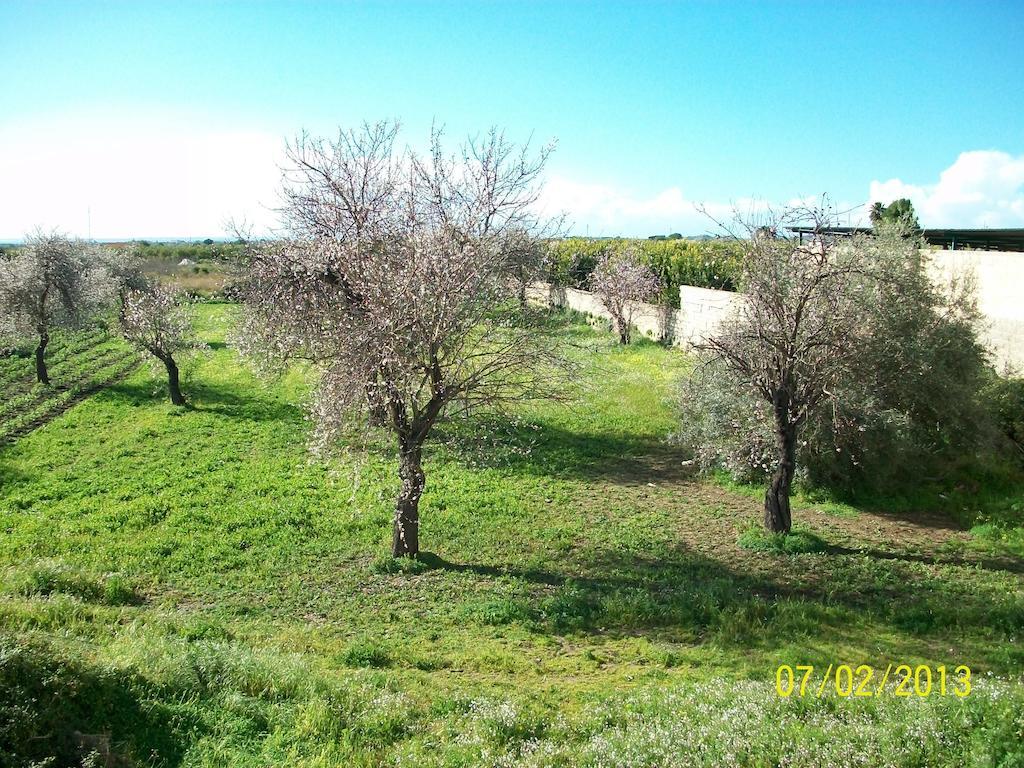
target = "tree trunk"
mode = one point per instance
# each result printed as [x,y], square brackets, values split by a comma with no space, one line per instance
[521,288]
[173,383]
[621,325]
[777,518]
[405,541]
[42,375]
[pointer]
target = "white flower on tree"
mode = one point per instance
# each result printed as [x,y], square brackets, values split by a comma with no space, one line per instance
[46,285]
[400,279]
[159,319]
[620,281]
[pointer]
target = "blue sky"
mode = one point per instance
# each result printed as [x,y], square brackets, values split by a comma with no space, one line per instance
[161,119]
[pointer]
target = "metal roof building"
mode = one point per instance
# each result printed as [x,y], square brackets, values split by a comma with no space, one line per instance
[949,239]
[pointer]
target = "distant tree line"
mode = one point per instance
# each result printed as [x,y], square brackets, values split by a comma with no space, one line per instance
[207,250]
[54,282]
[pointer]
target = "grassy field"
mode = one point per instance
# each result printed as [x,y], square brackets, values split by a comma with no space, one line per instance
[79,363]
[187,587]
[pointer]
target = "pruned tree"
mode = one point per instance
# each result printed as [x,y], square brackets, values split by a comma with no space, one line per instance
[396,279]
[47,285]
[837,320]
[159,319]
[620,280]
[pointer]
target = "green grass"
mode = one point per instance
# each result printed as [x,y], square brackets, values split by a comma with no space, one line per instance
[186,586]
[797,541]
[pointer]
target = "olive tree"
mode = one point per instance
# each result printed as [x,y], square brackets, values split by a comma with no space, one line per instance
[834,330]
[620,280]
[396,278]
[45,285]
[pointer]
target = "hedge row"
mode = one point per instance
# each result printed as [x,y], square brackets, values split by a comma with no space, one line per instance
[198,251]
[702,263]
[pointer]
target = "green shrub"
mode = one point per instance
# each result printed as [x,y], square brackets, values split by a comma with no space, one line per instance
[905,405]
[1003,399]
[498,612]
[797,542]
[48,577]
[676,262]
[571,609]
[366,653]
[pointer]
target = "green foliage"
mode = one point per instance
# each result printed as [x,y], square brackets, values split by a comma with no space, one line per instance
[587,605]
[48,577]
[200,251]
[1003,398]
[221,703]
[912,406]
[676,262]
[366,653]
[722,425]
[797,541]
[899,213]
[906,407]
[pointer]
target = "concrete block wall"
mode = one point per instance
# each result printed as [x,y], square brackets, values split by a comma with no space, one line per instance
[701,309]
[999,279]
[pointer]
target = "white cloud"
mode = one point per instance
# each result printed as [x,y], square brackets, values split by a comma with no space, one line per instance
[135,178]
[603,209]
[165,176]
[983,188]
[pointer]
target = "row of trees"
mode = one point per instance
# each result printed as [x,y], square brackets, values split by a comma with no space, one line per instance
[55,282]
[401,276]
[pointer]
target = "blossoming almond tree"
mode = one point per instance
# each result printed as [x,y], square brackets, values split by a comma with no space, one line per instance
[47,284]
[620,281]
[157,319]
[397,279]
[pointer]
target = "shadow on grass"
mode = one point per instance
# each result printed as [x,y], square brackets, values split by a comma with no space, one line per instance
[133,393]
[205,398]
[667,591]
[62,710]
[226,402]
[1004,564]
[435,562]
[543,449]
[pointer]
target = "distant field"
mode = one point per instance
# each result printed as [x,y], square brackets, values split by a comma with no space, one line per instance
[203,279]
[186,587]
